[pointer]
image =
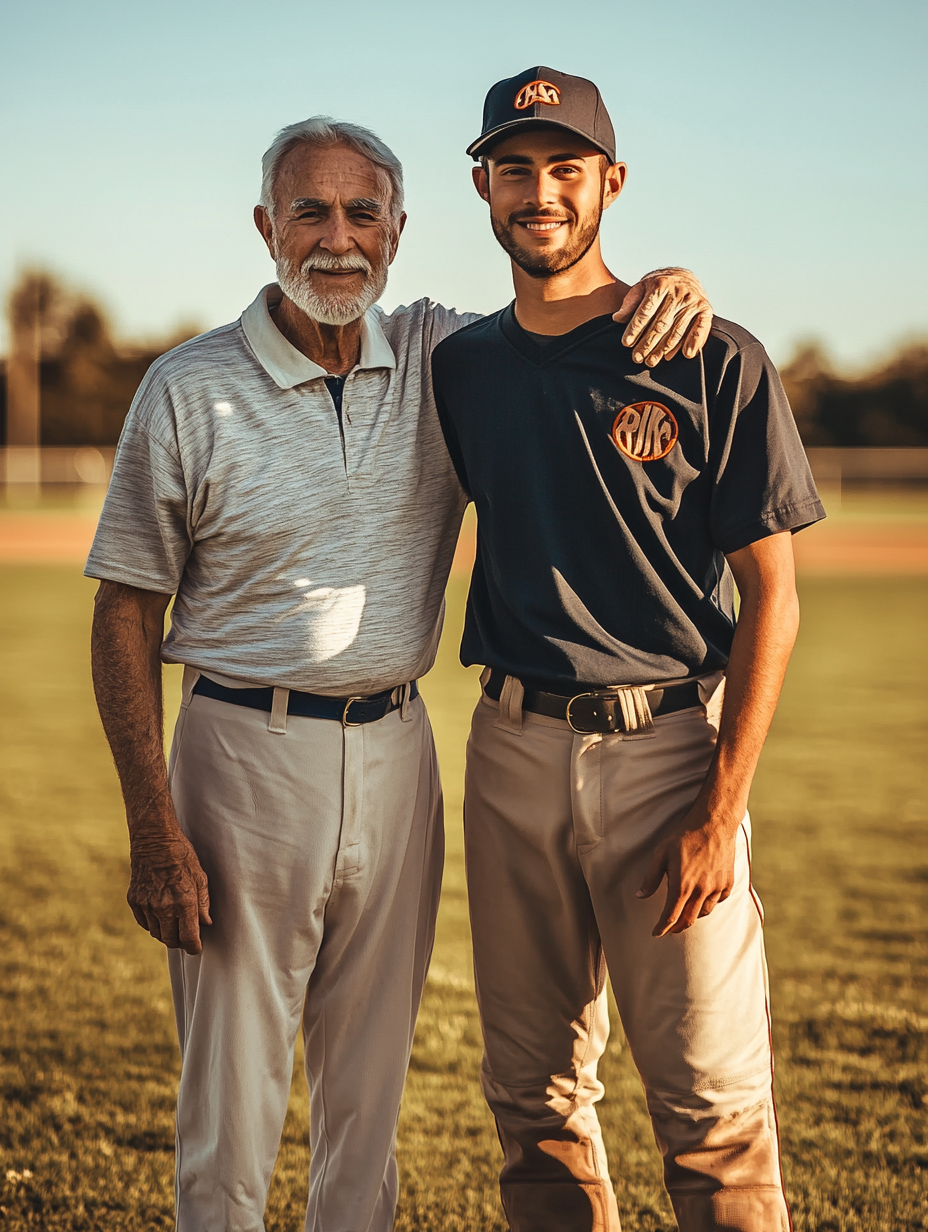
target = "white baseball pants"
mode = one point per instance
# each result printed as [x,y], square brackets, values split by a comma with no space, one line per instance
[323,849]
[559,830]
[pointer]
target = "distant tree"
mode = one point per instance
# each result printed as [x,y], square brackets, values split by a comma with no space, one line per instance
[87,380]
[886,406]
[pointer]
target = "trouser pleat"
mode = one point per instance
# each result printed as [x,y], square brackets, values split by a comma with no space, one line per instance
[559,831]
[323,850]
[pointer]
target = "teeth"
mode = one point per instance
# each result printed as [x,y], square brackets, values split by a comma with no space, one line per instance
[543,226]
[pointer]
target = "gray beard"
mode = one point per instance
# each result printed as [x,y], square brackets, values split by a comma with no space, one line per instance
[546,265]
[337,308]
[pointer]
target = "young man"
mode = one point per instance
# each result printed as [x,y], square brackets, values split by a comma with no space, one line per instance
[617,509]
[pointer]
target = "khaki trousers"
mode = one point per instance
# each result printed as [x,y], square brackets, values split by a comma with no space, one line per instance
[559,831]
[323,849]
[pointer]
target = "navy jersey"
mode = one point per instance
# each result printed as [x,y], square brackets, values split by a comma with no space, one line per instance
[608,496]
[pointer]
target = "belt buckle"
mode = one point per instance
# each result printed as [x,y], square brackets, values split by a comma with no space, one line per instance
[607,714]
[348,704]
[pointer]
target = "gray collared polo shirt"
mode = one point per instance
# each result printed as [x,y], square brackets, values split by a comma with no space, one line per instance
[300,555]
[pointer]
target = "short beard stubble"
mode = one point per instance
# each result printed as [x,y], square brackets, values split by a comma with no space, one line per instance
[547,264]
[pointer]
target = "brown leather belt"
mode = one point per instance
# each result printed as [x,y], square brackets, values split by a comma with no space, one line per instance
[597,710]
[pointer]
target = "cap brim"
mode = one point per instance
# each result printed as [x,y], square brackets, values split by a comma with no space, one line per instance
[479,146]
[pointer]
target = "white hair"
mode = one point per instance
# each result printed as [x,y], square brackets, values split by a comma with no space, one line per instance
[321,131]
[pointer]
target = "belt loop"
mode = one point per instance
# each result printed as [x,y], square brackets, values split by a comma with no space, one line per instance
[712,696]
[510,706]
[405,702]
[191,676]
[638,722]
[278,720]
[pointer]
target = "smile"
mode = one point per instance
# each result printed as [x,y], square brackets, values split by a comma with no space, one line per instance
[544,226]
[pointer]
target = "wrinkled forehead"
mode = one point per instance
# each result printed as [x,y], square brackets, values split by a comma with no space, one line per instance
[330,173]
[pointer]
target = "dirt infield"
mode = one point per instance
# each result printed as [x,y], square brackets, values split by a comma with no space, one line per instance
[849,547]
[46,538]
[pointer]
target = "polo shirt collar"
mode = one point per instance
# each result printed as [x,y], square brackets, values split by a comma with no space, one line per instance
[286,365]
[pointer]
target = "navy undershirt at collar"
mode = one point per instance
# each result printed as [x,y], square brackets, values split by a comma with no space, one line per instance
[336,387]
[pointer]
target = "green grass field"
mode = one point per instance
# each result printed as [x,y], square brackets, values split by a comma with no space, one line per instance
[87,1051]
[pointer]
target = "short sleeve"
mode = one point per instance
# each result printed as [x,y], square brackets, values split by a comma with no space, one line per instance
[143,538]
[439,384]
[762,481]
[443,322]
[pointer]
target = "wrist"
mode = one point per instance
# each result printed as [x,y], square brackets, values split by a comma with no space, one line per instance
[723,803]
[153,830]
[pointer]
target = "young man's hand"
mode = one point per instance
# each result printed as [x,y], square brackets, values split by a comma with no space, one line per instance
[698,860]
[667,311]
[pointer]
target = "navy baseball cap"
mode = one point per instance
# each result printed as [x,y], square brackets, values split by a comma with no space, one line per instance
[545,96]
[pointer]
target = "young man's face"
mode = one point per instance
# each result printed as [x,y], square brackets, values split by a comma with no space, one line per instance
[547,189]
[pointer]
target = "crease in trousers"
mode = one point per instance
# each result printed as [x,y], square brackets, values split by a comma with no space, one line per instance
[323,847]
[559,830]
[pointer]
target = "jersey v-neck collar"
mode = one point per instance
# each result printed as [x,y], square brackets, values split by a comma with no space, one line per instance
[559,344]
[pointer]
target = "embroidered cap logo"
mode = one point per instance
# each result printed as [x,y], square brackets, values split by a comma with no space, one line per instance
[537,92]
[645,431]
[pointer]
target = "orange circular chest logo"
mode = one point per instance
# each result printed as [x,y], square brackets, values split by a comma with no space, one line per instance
[645,431]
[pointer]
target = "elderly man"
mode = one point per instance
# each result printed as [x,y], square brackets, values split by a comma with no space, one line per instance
[285,479]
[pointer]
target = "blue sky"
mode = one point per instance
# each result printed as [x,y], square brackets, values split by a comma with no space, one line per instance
[777,149]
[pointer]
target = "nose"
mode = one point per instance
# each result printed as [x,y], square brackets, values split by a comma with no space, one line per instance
[338,238]
[540,190]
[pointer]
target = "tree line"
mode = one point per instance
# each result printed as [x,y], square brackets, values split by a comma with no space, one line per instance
[87,381]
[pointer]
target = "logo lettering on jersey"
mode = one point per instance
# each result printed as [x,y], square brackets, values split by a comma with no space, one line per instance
[537,92]
[645,431]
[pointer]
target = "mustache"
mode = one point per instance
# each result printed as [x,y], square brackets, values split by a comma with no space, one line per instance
[327,262]
[543,214]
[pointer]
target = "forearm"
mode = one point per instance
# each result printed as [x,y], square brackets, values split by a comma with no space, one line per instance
[125,657]
[698,855]
[767,626]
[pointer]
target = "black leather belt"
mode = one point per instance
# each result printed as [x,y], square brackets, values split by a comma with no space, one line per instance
[349,711]
[596,710]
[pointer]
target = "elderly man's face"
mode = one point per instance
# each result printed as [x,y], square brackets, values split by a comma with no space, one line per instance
[332,236]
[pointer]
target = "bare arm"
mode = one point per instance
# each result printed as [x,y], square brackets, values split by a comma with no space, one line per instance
[167,891]
[698,856]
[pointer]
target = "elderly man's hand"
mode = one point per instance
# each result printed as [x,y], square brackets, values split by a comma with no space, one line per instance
[168,892]
[666,311]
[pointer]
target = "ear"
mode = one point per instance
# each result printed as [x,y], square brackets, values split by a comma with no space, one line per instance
[395,237]
[613,183]
[481,181]
[266,227]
